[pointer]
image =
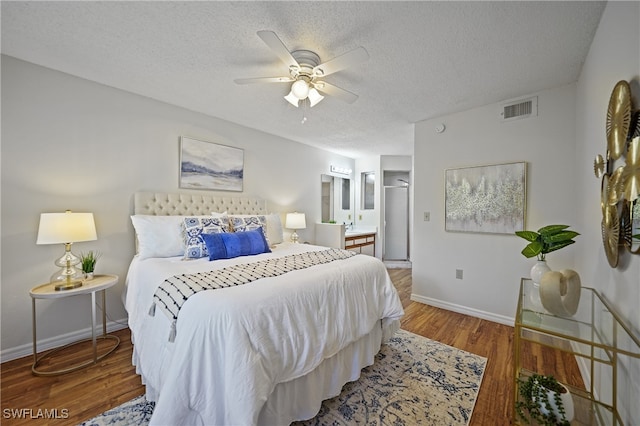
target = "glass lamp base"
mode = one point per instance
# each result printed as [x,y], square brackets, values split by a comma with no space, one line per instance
[66,279]
[67,285]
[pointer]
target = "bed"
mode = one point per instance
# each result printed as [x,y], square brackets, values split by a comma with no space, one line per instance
[267,350]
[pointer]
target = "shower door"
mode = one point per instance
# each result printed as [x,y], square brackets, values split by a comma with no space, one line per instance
[396,220]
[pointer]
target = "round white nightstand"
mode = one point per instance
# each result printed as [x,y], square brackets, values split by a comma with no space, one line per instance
[48,291]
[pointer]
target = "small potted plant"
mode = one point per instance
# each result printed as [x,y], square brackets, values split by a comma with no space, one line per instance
[544,400]
[88,262]
[548,239]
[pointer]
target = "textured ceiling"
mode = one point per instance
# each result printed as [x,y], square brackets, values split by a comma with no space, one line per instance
[426,58]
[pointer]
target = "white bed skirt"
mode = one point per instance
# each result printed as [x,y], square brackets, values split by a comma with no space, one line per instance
[301,398]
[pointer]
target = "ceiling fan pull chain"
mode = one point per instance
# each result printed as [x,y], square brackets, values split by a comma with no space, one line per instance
[305,106]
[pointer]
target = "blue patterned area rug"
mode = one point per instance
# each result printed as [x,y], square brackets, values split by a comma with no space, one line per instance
[414,381]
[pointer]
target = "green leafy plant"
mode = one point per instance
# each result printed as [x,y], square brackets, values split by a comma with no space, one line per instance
[547,239]
[534,395]
[89,260]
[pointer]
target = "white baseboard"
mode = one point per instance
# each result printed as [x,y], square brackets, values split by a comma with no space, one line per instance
[57,341]
[500,319]
[397,264]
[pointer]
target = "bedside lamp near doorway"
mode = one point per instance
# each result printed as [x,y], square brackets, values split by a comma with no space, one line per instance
[66,228]
[295,221]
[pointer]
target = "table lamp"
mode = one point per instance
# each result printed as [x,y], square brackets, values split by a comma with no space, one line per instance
[295,221]
[66,228]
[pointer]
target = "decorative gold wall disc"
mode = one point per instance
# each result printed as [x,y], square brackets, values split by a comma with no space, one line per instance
[615,188]
[618,119]
[631,177]
[626,226]
[620,189]
[633,216]
[598,166]
[634,130]
[604,193]
[611,234]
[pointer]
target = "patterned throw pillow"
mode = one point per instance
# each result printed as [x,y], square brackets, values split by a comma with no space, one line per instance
[194,227]
[248,223]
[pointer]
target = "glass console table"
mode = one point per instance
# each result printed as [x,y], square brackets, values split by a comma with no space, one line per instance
[605,348]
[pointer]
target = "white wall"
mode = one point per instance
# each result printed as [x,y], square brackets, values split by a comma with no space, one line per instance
[614,55]
[492,264]
[68,143]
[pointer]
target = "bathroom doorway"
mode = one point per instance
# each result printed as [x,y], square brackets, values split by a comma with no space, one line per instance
[396,216]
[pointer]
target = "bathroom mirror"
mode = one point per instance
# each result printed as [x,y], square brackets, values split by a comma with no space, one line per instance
[368,190]
[337,195]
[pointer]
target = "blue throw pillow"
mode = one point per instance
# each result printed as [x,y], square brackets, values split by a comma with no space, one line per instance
[230,245]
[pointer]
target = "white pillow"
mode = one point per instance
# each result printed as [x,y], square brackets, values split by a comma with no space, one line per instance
[219,215]
[158,236]
[275,234]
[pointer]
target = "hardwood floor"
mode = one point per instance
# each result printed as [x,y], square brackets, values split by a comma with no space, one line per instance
[80,395]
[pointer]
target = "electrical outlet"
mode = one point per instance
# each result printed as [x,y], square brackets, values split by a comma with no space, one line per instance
[427,216]
[459,274]
[359,217]
[349,217]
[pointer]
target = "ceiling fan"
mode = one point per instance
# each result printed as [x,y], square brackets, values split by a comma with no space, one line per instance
[307,73]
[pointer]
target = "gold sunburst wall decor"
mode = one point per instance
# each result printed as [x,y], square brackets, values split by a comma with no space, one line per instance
[618,119]
[619,171]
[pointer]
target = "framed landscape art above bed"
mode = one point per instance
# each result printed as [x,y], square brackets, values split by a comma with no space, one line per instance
[210,166]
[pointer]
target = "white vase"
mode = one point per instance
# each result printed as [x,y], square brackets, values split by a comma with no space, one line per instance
[567,403]
[538,270]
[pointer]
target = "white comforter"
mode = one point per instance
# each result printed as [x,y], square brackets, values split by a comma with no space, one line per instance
[234,345]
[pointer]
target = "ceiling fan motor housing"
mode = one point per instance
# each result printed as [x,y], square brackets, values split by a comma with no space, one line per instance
[307,60]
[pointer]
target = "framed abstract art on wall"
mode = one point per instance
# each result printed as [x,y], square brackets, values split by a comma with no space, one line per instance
[486,198]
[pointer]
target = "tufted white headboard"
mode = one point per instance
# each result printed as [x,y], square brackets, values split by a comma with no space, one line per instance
[181,204]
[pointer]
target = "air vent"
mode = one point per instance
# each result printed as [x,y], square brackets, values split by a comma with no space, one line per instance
[523,108]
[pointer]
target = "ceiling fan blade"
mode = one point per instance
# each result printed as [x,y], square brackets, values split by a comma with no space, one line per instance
[278,47]
[346,60]
[263,80]
[335,91]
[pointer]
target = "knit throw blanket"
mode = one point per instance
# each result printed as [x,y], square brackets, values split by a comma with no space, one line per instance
[174,291]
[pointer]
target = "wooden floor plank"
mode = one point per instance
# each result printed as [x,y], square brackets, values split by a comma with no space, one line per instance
[113,381]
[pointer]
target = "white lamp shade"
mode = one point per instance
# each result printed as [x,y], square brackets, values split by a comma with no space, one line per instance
[68,227]
[295,221]
[314,97]
[300,89]
[291,98]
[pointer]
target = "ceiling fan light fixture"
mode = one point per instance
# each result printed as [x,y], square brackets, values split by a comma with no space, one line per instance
[300,89]
[314,97]
[292,99]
